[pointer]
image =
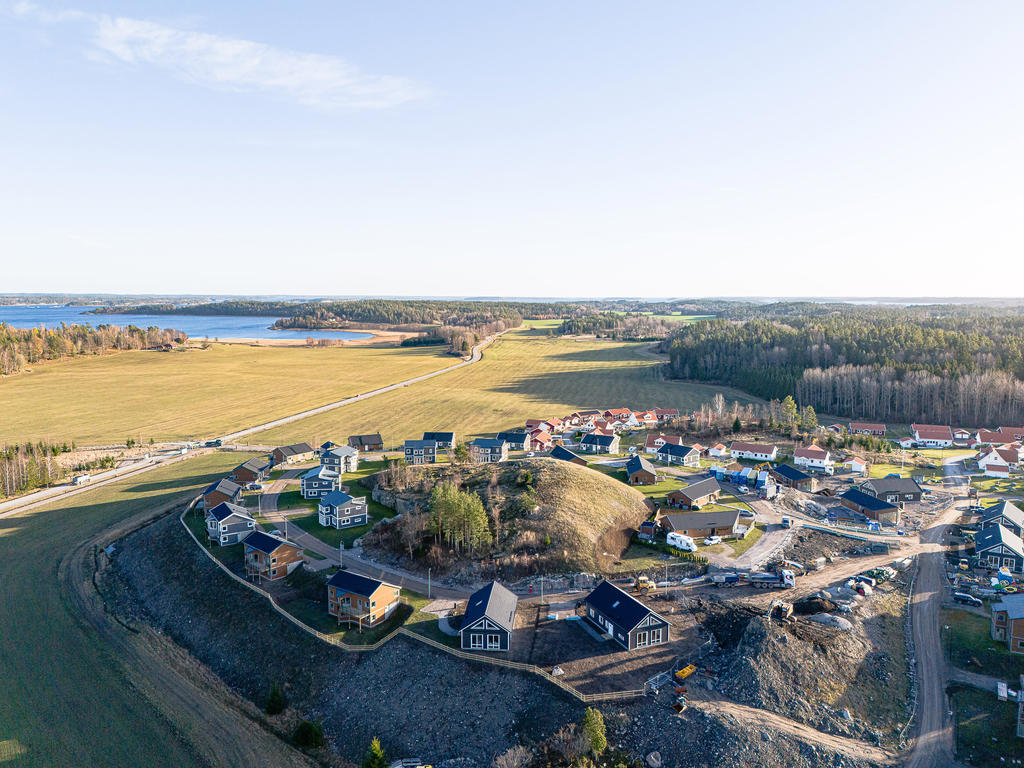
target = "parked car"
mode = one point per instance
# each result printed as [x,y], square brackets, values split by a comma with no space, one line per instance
[787,522]
[743,489]
[965,599]
[254,487]
[529,455]
[712,540]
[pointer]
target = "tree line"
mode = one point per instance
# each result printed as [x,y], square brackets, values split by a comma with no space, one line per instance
[21,347]
[618,325]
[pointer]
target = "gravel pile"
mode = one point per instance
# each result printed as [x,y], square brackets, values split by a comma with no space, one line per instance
[805,546]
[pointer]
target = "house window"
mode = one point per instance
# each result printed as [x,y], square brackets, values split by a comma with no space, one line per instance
[655,636]
[494,641]
[641,639]
[346,601]
[1009,563]
[476,641]
[1020,645]
[993,560]
[344,521]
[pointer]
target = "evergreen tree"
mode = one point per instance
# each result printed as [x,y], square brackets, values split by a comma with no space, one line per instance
[276,701]
[808,419]
[737,425]
[375,755]
[593,727]
[789,412]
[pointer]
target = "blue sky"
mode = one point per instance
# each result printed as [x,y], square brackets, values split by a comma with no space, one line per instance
[569,148]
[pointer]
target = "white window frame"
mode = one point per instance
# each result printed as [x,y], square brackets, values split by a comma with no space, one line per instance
[642,639]
[493,642]
[476,641]
[656,636]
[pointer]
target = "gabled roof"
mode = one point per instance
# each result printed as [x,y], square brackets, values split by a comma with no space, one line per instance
[751,447]
[493,601]
[224,485]
[295,449]
[666,411]
[810,452]
[320,473]
[1012,604]
[624,611]
[690,520]
[542,437]
[558,452]
[640,464]
[996,535]
[265,543]
[255,464]
[328,445]
[651,440]
[990,436]
[700,489]
[364,586]
[867,501]
[335,499]
[856,425]
[421,444]
[792,474]
[931,432]
[1004,509]
[341,451]
[893,485]
[1012,431]
[441,437]
[683,451]
[366,439]
[602,440]
[224,510]
[618,412]
[512,437]
[487,442]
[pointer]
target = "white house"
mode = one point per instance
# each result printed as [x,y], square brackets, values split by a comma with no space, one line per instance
[932,435]
[814,457]
[654,442]
[856,465]
[754,451]
[997,462]
[718,451]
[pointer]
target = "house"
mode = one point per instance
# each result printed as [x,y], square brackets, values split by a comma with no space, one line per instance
[998,462]
[684,455]
[516,440]
[867,428]
[718,451]
[326,447]
[792,477]
[318,482]
[537,424]
[870,506]
[339,510]
[252,471]
[364,443]
[270,557]
[593,443]
[1012,433]
[666,414]
[1005,514]
[648,530]
[894,490]
[420,452]
[1008,622]
[444,440]
[555,425]
[645,418]
[489,619]
[698,525]
[836,428]
[488,450]
[932,435]
[296,453]
[228,524]
[856,465]
[340,459]
[361,600]
[540,441]
[961,436]
[639,471]
[564,454]
[621,415]
[754,451]
[988,437]
[814,457]
[906,442]
[695,495]
[220,491]
[628,621]
[999,547]
[653,442]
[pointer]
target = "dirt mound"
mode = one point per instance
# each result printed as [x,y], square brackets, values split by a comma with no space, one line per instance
[813,605]
[806,545]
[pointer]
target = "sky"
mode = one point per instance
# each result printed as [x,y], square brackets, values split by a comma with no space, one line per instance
[565,148]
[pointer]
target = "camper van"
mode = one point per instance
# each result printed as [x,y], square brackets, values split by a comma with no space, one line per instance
[679,541]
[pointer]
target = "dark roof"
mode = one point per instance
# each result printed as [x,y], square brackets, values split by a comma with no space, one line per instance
[558,452]
[893,485]
[677,450]
[700,489]
[364,439]
[623,611]
[792,474]
[421,444]
[225,510]
[328,445]
[335,499]
[602,440]
[264,542]
[493,601]
[1005,509]
[512,437]
[225,486]
[1012,604]
[295,448]
[866,500]
[716,519]
[640,464]
[996,535]
[441,437]
[255,464]
[488,442]
[347,581]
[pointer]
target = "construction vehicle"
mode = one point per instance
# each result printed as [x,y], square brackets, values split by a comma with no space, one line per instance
[782,579]
[780,609]
[685,672]
[643,586]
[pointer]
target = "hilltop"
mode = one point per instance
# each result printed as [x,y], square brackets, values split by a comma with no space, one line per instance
[545,515]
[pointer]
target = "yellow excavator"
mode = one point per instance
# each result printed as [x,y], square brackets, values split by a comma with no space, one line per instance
[643,586]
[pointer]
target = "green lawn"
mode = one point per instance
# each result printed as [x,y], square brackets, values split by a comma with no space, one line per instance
[739,546]
[314,614]
[425,623]
[986,728]
[232,556]
[333,536]
[971,647]
[195,394]
[1012,486]
[292,499]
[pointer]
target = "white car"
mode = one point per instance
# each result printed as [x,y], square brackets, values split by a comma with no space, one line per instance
[743,489]
[712,540]
[529,455]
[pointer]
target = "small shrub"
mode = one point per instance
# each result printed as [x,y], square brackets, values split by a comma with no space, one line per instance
[276,701]
[309,735]
[375,755]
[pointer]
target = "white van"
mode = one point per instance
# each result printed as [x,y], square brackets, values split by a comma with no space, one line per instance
[679,541]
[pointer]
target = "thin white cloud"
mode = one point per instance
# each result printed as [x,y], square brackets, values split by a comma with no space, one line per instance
[227,63]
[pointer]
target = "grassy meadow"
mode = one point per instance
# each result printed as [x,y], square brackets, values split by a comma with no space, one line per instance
[55,670]
[524,374]
[198,393]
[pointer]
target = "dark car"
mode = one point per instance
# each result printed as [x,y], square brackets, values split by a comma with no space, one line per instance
[965,599]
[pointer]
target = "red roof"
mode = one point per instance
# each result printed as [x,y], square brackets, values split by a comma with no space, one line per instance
[751,447]
[618,412]
[1015,432]
[666,411]
[810,452]
[856,426]
[932,432]
[672,439]
[990,436]
[542,437]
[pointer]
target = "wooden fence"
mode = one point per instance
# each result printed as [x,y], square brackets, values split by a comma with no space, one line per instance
[401,630]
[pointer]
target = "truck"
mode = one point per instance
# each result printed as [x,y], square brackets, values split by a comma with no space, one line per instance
[81,479]
[787,522]
[782,579]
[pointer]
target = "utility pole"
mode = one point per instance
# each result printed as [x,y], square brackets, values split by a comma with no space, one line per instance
[341,554]
[428,583]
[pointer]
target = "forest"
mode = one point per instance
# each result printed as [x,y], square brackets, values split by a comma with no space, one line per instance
[938,364]
[21,347]
[617,325]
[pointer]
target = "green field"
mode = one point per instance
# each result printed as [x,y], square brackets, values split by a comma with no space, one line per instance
[334,536]
[62,699]
[525,374]
[199,393]
[970,646]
